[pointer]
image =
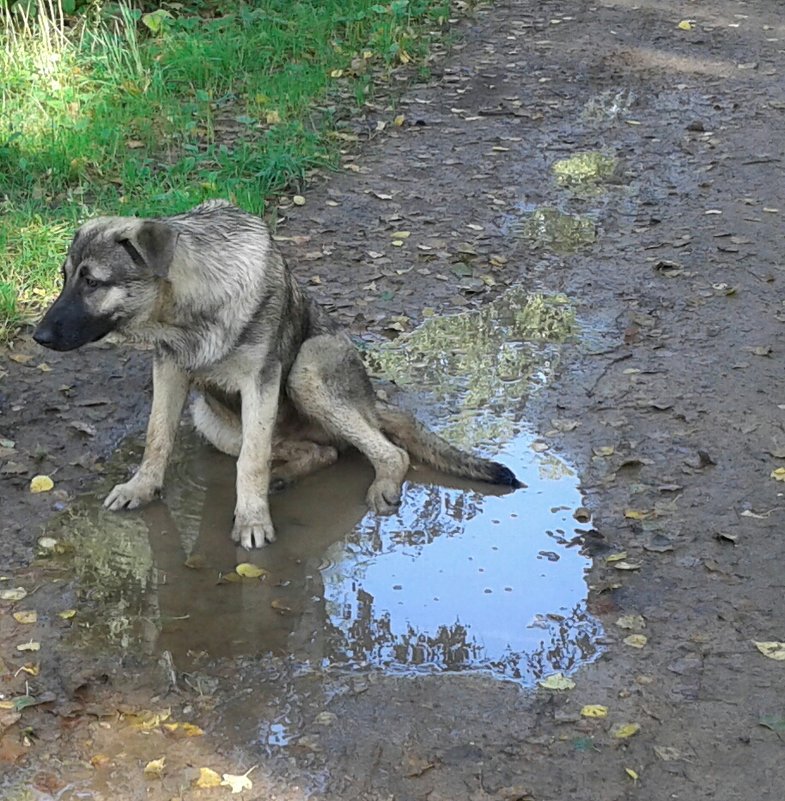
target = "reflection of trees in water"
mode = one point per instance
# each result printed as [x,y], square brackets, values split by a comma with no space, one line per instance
[551,468]
[431,511]
[369,638]
[480,363]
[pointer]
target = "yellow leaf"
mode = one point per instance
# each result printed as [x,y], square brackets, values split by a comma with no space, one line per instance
[367,54]
[41,484]
[399,120]
[556,681]
[186,729]
[773,650]
[632,622]
[685,25]
[637,514]
[16,594]
[31,669]
[594,711]
[632,774]
[238,783]
[272,117]
[401,234]
[625,730]
[627,565]
[147,720]
[29,646]
[333,74]
[208,778]
[298,200]
[404,57]
[67,614]
[155,768]
[778,474]
[636,640]
[616,557]
[247,570]
[28,616]
[99,760]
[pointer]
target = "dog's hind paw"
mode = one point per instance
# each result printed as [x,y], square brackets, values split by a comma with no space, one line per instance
[130,495]
[384,496]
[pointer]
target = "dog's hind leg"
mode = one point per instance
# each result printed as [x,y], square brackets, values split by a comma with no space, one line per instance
[293,460]
[328,384]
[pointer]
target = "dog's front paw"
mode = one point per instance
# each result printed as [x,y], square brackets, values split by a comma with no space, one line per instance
[134,493]
[253,529]
[384,496]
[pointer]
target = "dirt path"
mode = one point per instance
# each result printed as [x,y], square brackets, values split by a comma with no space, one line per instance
[673,383]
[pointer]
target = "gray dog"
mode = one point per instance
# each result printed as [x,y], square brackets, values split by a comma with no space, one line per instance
[276,382]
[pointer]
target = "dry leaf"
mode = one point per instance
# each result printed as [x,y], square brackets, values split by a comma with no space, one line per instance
[298,200]
[99,760]
[632,774]
[208,778]
[594,711]
[16,594]
[399,120]
[616,557]
[29,646]
[186,729]
[778,474]
[773,650]
[247,570]
[67,614]
[604,450]
[28,616]
[155,768]
[636,640]
[400,234]
[556,681]
[625,730]
[238,783]
[627,565]
[685,25]
[631,622]
[41,484]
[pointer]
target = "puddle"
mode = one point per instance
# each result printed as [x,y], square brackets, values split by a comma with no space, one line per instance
[563,233]
[464,578]
[585,170]
[608,106]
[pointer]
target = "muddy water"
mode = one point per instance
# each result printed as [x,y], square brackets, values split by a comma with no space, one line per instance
[465,577]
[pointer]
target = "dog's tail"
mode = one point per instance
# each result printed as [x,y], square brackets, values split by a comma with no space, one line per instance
[423,445]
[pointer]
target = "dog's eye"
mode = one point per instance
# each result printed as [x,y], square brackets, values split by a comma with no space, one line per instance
[92,283]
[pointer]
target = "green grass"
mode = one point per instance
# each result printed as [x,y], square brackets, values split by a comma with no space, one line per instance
[113,111]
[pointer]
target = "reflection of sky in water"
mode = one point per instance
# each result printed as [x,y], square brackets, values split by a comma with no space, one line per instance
[470,595]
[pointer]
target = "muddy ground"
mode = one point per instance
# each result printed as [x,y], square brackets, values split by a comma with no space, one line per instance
[673,381]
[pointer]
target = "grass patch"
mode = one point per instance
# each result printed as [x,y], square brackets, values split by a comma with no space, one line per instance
[117,111]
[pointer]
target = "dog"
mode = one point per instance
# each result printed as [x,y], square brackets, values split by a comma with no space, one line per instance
[276,382]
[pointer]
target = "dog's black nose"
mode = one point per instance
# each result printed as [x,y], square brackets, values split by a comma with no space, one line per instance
[44,336]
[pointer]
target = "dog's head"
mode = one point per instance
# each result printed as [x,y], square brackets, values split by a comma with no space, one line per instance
[112,277]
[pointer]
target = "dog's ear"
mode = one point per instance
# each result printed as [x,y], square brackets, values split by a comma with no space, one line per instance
[151,244]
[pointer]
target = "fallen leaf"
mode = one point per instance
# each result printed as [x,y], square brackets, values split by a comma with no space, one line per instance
[36,646]
[638,514]
[636,640]
[238,783]
[686,25]
[298,200]
[625,730]
[147,720]
[773,650]
[20,358]
[67,614]
[16,594]
[631,622]
[100,760]
[280,606]
[604,450]
[28,616]
[208,778]
[186,729]
[247,570]
[155,768]
[41,484]
[627,565]
[632,774]
[616,557]
[399,120]
[594,711]
[556,681]
[774,722]
[667,753]
[778,474]
[400,234]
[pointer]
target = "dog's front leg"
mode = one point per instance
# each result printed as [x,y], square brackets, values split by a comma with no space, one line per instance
[253,527]
[170,389]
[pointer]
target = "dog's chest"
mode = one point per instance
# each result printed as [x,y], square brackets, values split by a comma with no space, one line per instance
[233,371]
